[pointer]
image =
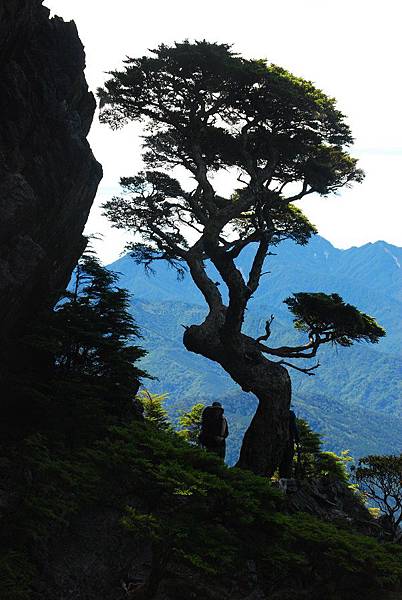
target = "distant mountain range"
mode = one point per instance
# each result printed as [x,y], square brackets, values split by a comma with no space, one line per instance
[355,399]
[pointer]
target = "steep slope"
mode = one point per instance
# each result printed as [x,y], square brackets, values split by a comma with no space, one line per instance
[141,509]
[48,175]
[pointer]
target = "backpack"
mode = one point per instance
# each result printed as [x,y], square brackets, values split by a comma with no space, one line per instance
[211,424]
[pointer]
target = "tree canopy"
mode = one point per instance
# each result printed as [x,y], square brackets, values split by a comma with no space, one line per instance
[207,109]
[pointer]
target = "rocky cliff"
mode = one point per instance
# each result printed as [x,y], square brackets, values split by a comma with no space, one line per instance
[48,174]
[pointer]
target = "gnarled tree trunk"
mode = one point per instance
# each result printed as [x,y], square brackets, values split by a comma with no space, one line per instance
[266,438]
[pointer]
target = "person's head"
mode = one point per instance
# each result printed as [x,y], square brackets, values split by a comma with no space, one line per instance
[217,405]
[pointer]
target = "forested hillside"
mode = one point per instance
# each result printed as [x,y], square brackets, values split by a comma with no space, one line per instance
[355,397]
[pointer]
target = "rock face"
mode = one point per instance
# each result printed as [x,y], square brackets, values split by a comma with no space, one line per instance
[331,500]
[48,174]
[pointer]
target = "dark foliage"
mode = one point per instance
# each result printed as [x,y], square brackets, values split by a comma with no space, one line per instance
[196,513]
[77,372]
[329,318]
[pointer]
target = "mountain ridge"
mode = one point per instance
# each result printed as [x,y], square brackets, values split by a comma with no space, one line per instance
[360,378]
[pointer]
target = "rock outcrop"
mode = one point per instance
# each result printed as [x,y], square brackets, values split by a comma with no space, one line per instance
[48,174]
[333,501]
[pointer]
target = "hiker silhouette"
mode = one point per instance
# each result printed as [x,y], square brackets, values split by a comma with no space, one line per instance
[214,429]
[286,466]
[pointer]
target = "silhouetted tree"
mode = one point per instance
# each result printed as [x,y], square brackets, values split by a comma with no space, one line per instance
[380,480]
[87,377]
[207,110]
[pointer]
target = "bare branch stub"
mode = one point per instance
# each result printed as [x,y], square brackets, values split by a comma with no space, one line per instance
[306,371]
[267,330]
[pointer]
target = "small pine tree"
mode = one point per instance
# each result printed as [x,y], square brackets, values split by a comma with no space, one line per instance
[313,461]
[308,451]
[154,411]
[190,423]
[95,327]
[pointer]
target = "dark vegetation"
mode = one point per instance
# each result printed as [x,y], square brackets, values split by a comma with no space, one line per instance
[93,453]
[208,110]
[199,516]
[77,361]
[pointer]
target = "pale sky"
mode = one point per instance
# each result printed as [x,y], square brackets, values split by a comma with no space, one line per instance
[348,48]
